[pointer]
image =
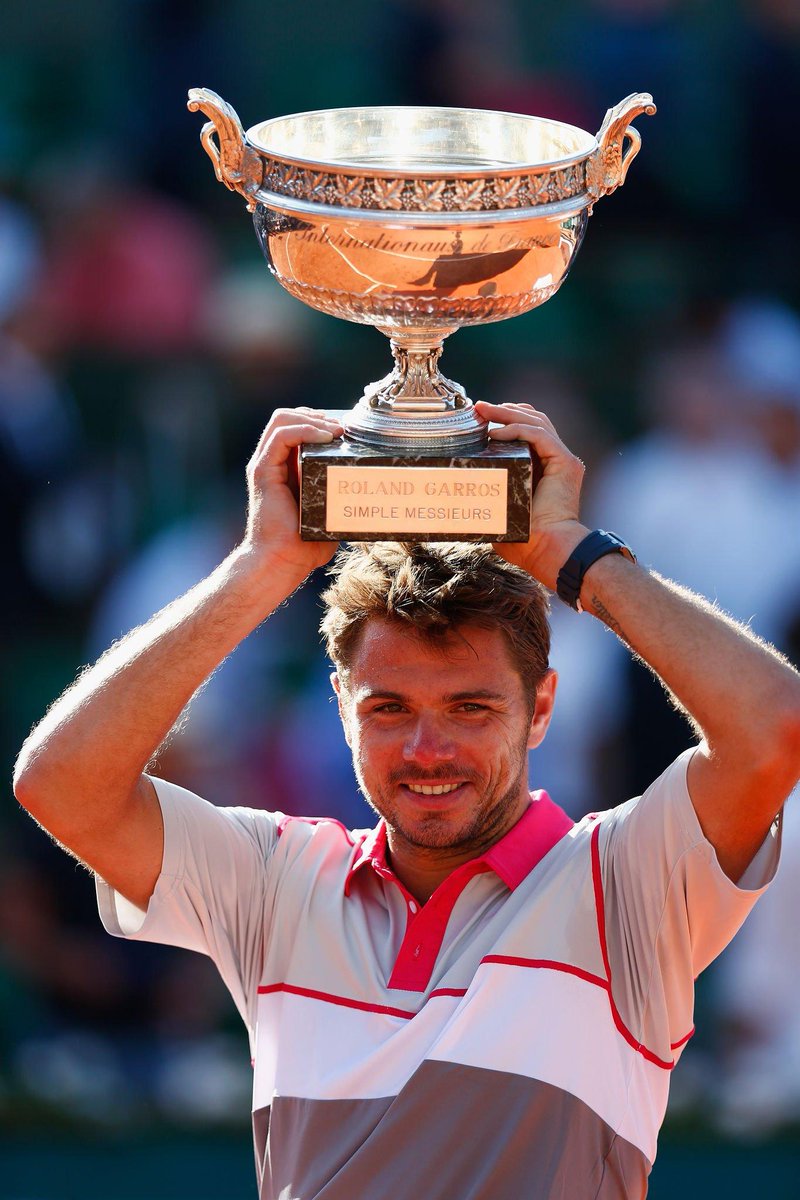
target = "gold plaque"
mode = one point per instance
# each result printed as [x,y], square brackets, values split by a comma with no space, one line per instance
[421,500]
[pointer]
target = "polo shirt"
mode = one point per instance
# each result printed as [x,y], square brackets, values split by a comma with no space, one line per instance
[513,1037]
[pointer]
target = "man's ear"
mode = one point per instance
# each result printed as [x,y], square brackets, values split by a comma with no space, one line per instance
[545,699]
[336,684]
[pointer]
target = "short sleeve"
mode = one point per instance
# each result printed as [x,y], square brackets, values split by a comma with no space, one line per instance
[670,909]
[212,893]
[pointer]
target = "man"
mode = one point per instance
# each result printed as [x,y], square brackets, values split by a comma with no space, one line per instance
[478,998]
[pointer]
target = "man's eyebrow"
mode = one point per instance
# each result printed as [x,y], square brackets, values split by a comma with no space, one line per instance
[366,693]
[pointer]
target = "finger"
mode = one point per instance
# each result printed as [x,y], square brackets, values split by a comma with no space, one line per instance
[504,412]
[509,407]
[545,442]
[303,408]
[289,416]
[285,438]
[524,430]
[284,418]
[283,415]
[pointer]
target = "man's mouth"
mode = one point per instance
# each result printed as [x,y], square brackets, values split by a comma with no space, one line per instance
[432,789]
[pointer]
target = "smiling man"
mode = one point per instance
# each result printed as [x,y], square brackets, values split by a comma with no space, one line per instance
[477,998]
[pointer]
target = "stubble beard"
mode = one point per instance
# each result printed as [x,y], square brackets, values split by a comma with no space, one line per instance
[489,821]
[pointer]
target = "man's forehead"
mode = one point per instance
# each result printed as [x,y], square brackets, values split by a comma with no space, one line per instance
[391,649]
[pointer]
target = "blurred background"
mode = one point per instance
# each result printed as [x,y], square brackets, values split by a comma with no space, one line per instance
[143,346]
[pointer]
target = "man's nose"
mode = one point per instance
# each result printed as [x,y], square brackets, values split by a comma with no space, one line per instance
[429,742]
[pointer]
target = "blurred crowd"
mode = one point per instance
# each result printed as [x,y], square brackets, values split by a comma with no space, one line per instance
[143,346]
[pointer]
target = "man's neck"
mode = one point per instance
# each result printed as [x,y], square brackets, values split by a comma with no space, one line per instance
[421,877]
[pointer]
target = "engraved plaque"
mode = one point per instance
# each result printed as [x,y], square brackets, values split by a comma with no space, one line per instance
[422,500]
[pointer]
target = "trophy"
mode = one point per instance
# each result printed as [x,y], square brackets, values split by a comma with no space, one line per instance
[418,221]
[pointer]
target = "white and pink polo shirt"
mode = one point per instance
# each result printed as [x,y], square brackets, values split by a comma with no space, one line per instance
[513,1037]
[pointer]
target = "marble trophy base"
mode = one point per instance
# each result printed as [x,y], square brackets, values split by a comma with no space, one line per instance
[358,493]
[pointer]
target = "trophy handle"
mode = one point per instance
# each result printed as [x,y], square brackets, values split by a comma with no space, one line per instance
[608,166]
[235,163]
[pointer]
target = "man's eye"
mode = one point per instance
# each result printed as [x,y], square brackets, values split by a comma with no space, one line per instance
[389,707]
[472,706]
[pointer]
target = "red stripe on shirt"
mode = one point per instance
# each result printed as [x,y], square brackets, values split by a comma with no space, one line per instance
[597,880]
[330,998]
[546,964]
[683,1041]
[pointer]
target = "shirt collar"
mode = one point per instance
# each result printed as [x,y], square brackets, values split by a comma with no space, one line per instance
[512,858]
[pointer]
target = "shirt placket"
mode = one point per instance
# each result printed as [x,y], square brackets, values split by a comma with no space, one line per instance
[426,928]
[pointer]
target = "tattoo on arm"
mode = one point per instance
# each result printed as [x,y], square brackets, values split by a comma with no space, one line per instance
[607,618]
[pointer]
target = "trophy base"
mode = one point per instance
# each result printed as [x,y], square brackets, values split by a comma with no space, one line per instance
[357,493]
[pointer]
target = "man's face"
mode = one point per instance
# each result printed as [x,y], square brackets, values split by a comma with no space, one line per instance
[439,734]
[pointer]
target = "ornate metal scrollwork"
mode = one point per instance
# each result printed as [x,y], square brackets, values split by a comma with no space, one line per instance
[382,194]
[608,166]
[236,164]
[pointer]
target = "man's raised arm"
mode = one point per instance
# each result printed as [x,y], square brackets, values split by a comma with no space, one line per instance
[80,772]
[741,695]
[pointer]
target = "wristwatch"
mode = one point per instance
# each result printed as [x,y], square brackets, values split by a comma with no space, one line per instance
[595,545]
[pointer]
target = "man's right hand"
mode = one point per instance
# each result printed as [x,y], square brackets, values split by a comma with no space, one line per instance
[272,533]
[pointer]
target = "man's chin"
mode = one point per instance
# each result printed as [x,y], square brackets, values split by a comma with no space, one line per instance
[435,832]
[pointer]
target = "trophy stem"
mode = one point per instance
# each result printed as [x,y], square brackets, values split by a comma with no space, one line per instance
[415,404]
[415,384]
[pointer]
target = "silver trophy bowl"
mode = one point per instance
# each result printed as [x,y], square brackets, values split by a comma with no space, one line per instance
[419,221]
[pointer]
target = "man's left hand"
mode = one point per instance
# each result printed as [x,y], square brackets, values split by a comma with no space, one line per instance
[555,524]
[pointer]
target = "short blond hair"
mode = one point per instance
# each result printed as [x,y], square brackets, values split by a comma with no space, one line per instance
[435,588]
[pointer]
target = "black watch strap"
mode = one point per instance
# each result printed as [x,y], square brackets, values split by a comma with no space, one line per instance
[595,545]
